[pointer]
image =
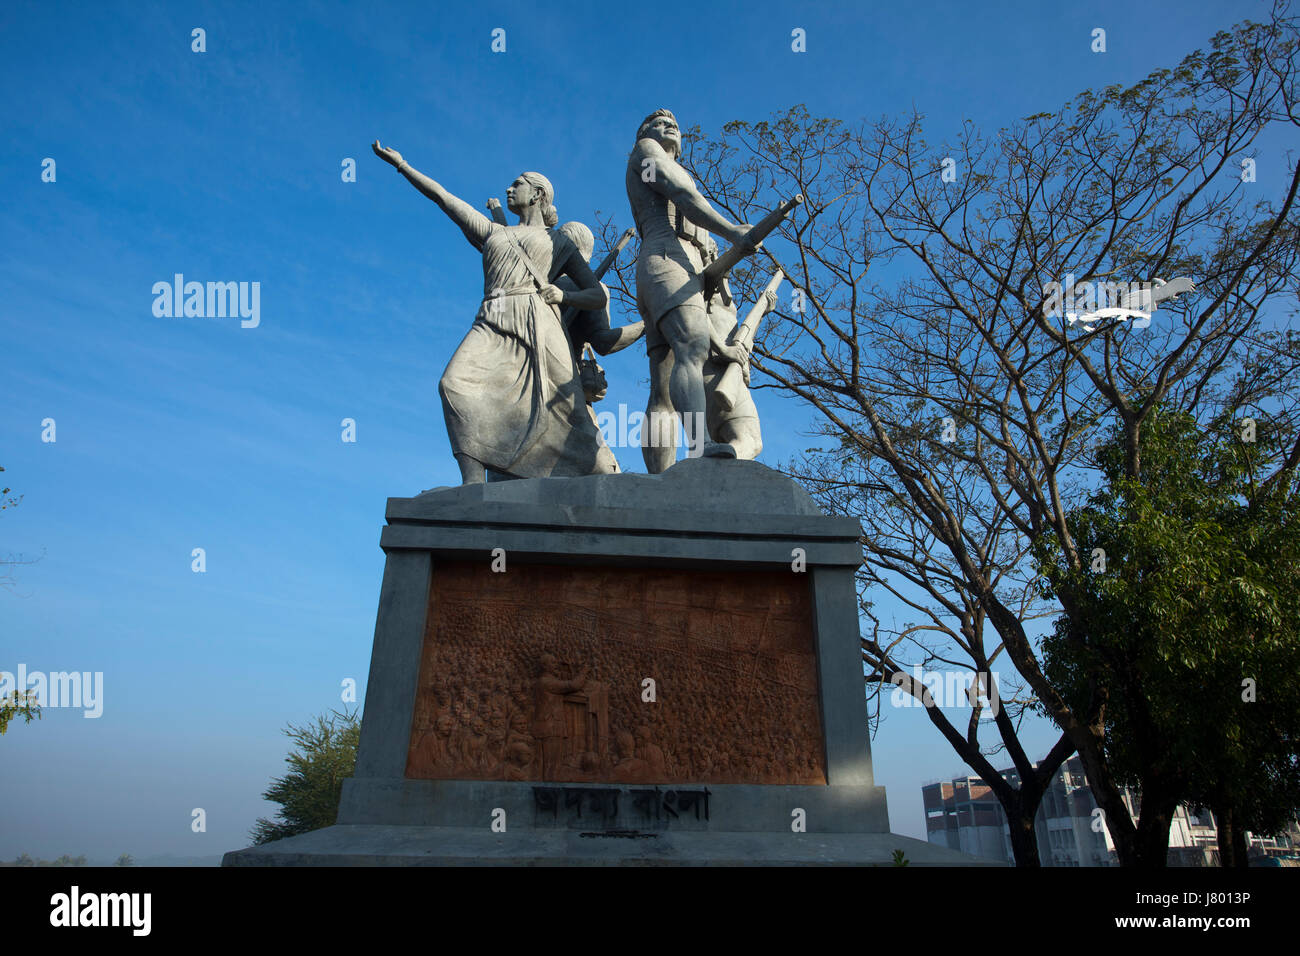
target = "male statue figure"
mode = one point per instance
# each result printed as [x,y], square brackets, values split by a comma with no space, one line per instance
[674,221]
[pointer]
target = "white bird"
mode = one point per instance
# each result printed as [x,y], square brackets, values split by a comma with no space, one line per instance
[1137,304]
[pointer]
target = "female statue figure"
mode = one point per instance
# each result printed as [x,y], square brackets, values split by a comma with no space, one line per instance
[511,394]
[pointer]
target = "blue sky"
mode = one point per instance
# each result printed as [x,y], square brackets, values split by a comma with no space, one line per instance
[182,433]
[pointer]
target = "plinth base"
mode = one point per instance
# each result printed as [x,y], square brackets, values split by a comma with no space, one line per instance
[375,845]
[615,669]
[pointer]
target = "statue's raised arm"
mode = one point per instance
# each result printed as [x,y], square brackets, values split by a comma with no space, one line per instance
[473,223]
[655,157]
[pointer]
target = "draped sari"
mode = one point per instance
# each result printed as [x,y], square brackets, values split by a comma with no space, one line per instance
[511,394]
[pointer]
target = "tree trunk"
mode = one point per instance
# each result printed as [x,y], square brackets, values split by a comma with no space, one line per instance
[1109,796]
[1020,807]
[1233,851]
[1146,844]
[1024,839]
[1240,851]
[1223,823]
[1152,837]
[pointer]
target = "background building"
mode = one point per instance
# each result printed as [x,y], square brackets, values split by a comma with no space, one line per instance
[963,814]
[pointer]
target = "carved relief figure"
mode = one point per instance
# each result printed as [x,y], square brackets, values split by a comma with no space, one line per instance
[497,703]
[630,766]
[549,719]
[650,753]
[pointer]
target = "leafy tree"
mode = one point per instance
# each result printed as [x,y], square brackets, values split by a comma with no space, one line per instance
[1191,621]
[25,859]
[325,756]
[125,860]
[18,704]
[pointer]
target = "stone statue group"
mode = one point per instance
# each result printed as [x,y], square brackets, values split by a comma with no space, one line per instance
[517,392]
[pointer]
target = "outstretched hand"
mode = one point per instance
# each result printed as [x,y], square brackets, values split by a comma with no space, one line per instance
[388,155]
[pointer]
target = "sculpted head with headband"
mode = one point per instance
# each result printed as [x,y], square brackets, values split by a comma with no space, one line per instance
[540,194]
[661,126]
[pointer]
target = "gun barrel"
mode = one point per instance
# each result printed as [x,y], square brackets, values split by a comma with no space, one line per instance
[746,331]
[729,384]
[608,262]
[720,266]
[605,265]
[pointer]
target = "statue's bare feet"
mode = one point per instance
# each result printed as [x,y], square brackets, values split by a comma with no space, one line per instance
[714,449]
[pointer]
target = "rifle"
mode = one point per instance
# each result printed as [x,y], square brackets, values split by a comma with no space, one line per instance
[605,265]
[498,214]
[728,387]
[719,267]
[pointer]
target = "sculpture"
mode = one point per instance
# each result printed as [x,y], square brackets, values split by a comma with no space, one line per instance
[680,281]
[730,413]
[592,326]
[511,394]
[673,220]
[516,393]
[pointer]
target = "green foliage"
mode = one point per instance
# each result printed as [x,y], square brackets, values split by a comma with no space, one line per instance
[325,756]
[900,859]
[125,860]
[18,704]
[1199,599]
[25,859]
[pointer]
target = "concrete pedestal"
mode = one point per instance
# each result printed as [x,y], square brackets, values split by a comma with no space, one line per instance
[719,580]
